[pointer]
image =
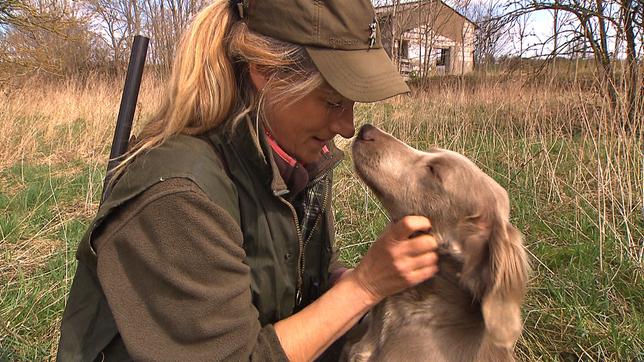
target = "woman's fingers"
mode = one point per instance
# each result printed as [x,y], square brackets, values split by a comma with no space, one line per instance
[408,225]
[422,274]
[423,261]
[417,258]
[421,244]
[403,256]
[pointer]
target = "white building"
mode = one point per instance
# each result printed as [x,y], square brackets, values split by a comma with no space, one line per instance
[430,38]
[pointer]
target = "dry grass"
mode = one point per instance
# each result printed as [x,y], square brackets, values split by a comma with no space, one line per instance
[574,176]
[59,122]
[575,182]
[563,148]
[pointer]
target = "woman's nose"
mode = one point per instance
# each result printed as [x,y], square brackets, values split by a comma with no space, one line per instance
[343,123]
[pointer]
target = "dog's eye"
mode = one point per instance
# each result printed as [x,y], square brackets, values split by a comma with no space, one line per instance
[433,170]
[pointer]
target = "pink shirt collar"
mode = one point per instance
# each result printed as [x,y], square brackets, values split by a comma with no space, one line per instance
[294,174]
[283,155]
[279,151]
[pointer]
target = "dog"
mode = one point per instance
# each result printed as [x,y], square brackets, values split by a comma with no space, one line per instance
[470,310]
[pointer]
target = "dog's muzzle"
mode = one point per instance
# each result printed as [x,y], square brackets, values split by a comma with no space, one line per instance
[367,133]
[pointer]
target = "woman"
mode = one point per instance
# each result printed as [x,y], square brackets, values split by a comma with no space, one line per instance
[216,241]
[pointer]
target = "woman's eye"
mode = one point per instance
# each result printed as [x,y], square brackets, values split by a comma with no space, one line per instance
[334,105]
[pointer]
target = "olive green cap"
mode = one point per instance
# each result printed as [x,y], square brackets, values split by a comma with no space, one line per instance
[341,37]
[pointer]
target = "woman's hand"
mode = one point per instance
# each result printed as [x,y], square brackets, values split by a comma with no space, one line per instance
[394,262]
[398,260]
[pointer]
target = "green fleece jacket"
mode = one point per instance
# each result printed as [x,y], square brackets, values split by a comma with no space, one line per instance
[198,250]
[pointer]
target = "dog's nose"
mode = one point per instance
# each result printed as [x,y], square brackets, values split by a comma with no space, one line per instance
[367,133]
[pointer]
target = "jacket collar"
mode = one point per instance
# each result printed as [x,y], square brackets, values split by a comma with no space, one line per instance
[251,145]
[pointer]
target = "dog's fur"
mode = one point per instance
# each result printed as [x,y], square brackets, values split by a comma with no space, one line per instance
[470,310]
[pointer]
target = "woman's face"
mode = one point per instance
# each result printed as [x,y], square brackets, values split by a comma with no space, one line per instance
[302,128]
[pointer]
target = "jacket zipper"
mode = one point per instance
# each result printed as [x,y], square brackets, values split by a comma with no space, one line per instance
[300,238]
[302,242]
[317,220]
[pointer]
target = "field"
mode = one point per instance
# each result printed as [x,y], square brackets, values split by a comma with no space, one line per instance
[573,174]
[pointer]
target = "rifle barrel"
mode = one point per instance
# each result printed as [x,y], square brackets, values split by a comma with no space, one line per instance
[127,108]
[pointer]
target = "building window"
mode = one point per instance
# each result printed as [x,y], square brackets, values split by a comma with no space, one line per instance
[443,57]
[403,49]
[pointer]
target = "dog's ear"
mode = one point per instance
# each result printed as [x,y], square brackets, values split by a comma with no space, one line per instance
[501,303]
[475,234]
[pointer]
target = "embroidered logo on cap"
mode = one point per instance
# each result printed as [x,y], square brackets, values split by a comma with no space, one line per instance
[372,36]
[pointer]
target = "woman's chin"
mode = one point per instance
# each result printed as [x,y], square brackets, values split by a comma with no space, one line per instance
[310,155]
[310,158]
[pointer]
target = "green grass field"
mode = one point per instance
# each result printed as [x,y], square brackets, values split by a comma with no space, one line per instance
[574,179]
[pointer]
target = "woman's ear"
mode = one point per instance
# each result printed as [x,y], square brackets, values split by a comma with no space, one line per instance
[258,78]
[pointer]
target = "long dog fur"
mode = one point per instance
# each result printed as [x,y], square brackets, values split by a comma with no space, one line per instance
[470,310]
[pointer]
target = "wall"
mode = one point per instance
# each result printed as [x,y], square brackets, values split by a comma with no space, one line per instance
[435,24]
[461,58]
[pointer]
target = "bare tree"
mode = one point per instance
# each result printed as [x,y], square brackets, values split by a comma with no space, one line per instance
[117,21]
[521,24]
[631,28]
[25,14]
[15,13]
[555,26]
[603,26]
[46,36]
[395,33]
[463,6]
[162,20]
[108,22]
[53,35]
[166,20]
[493,28]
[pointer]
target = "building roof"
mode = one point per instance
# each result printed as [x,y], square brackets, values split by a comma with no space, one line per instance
[420,5]
[438,16]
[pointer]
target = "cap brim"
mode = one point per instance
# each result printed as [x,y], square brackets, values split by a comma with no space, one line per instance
[359,75]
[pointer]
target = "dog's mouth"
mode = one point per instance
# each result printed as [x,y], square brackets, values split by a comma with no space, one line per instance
[364,175]
[366,156]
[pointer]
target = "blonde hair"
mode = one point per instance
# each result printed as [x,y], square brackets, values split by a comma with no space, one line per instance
[210,85]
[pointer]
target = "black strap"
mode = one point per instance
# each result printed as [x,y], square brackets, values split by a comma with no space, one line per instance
[238,7]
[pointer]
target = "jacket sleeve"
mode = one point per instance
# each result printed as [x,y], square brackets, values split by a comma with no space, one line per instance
[171,265]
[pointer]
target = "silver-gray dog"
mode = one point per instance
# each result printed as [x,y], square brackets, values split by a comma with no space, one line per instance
[470,310]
